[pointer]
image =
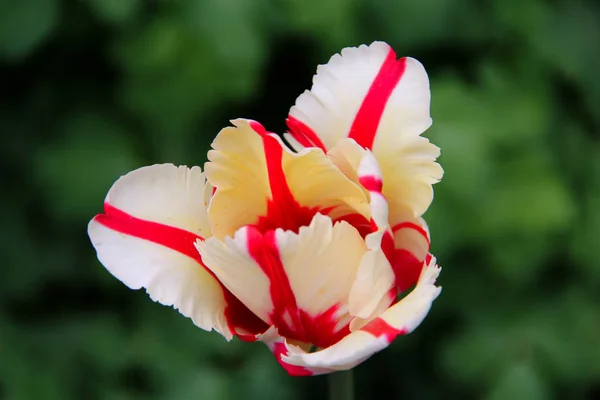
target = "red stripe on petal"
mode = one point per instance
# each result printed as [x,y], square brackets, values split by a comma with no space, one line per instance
[176,239]
[280,190]
[407,269]
[280,350]
[241,321]
[283,210]
[358,221]
[258,128]
[303,133]
[238,316]
[371,183]
[366,122]
[411,225]
[285,315]
[321,329]
[387,246]
[291,321]
[428,258]
[379,328]
[374,227]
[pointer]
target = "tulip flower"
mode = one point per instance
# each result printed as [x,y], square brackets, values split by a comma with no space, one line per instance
[307,249]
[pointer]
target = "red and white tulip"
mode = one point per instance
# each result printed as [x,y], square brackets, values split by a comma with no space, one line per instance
[306,250]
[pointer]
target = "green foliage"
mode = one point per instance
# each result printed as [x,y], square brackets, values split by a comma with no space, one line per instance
[24,25]
[96,88]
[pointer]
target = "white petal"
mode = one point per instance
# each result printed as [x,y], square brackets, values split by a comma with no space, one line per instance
[338,91]
[400,319]
[382,103]
[170,278]
[153,216]
[164,193]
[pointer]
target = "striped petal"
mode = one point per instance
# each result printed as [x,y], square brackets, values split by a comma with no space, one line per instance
[298,282]
[400,319]
[372,291]
[366,94]
[408,242]
[261,182]
[145,238]
[411,250]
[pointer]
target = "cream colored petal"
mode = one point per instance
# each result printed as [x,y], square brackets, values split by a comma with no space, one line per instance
[238,170]
[321,262]
[363,93]
[152,217]
[371,289]
[260,181]
[296,281]
[409,173]
[383,103]
[346,155]
[400,319]
[232,263]
[406,113]
[317,183]
[410,234]
[339,88]
[408,160]
[371,292]
[164,193]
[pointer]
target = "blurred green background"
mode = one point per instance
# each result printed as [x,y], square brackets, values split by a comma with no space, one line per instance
[92,89]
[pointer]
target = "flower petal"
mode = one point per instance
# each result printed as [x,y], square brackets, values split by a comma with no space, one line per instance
[298,282]
[400,319]
[410,234]
[365,94]
[146,237]
[411,248]
[409,173]
[383,104]
[231,262]
[371,292]
[277,344]
[261,182]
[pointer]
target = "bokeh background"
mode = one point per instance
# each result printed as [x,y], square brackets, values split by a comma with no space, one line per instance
[91,89]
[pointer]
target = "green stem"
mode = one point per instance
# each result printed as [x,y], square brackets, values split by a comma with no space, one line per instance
[341,385]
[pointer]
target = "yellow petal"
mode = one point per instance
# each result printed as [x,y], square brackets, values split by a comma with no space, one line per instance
[261,182]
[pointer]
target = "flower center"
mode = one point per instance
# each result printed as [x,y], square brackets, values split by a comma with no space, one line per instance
[283,210]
